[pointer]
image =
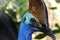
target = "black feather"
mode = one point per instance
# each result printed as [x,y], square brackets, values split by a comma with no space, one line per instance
[8,29]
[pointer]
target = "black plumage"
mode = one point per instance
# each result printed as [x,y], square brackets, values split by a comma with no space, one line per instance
[8,29]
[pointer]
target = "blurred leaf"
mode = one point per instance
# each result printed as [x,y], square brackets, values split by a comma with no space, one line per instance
[40,36]
[58,1]
[23,7]
[56,25]
[56,31]
[12,14]
[53,8]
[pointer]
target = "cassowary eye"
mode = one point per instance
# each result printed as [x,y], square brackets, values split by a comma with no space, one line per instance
[34,24]
[33,21]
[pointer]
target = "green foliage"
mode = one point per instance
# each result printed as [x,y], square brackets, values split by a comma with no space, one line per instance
[40,36]
[53,8]
[58,30]
[23,7]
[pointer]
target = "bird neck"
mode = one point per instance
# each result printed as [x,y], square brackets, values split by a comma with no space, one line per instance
[25,36]
[25,32]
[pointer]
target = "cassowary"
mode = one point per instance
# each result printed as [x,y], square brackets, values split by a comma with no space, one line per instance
[36,19]
[8,29]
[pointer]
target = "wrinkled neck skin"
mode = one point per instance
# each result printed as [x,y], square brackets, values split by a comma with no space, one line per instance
[25,32]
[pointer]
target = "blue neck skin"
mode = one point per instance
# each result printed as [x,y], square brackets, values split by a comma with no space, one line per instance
[25,32]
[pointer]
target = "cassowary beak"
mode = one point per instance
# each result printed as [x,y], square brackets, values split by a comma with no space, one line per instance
[47,31]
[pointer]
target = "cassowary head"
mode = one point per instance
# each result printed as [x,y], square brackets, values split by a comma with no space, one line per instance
[34,24]
[36,19]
